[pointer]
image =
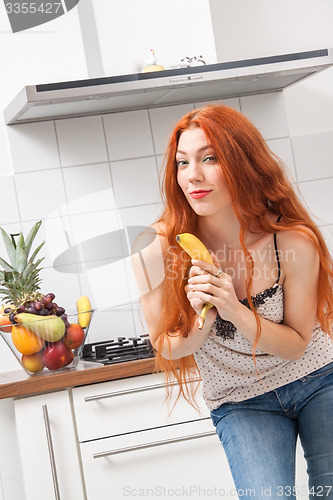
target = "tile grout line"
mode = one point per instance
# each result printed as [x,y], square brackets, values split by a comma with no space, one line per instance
[67,209]
[151,132]
[118,218]
[39,171]
[159,171]
[95,212]
[318,179]
[294,159]
[20,221]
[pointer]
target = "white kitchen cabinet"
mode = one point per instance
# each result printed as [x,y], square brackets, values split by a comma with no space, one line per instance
[131,446]
[129,405]
[175,459]
[117,439]
[48,447]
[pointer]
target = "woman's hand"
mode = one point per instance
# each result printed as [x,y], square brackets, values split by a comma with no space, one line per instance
[204,286]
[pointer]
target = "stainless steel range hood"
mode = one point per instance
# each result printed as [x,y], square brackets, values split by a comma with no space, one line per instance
[163,88]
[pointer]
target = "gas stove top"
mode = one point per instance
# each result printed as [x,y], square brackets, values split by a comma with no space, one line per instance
[118,351]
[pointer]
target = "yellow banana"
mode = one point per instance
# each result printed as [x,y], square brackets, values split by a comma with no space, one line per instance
[83,307]
[196,250]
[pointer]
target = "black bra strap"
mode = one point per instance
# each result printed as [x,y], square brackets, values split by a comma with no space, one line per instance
[277,254]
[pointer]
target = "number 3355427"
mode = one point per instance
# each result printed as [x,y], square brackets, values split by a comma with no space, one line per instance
[32,8]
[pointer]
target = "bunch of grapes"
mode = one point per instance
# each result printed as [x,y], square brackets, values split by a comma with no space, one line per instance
[43,307]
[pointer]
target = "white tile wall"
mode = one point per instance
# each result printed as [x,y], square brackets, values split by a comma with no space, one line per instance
[128,135]
[9,212]
[83,186]
[232,102]
[268,113]
[39,193]
[81,141]
[327,232]
[313,155]
[140,323]
[99,236]
[162,122]
[65,286]
[142,216]
[101,187]
[138,318]
[135,182]
[108,284]
[59,248]
[112,323]
[283,149]
[318,197]
[159,161]
[33,147]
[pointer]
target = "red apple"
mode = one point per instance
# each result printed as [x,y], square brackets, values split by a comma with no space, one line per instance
[55,356]
[70,357]
[74,336]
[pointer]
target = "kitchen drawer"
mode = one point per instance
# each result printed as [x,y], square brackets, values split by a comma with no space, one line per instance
[180,460]
[128,405]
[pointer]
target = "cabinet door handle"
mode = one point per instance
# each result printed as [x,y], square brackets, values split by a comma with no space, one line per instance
[133,391]
[51,452]
[153,445]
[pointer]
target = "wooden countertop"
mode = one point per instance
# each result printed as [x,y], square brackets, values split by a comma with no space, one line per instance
[18,383]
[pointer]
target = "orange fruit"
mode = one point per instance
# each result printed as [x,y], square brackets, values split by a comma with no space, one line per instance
[25,341]
[4,320]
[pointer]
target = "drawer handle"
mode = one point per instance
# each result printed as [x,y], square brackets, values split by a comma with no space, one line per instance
[51,452]
[153,445]
[133,391]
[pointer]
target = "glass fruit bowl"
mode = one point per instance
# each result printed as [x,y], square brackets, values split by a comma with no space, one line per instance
[45,344]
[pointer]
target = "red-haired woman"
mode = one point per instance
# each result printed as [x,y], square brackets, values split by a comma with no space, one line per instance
[265,354]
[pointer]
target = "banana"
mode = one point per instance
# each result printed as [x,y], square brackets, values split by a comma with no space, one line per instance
[49,328]
[83,307]
[196,250]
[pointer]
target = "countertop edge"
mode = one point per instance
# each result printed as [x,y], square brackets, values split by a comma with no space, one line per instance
[18,384]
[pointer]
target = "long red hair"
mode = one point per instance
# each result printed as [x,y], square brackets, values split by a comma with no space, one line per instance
[256,181]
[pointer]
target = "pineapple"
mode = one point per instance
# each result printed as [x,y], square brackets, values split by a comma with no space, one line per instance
[19,280]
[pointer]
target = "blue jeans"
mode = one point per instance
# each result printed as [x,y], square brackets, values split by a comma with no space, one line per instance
[259,438]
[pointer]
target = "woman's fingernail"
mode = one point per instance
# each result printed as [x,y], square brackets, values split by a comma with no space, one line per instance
[195,261]
[189,280]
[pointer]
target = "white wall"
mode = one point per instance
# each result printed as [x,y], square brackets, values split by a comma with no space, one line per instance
[48,53]
[244,29]
[126,30]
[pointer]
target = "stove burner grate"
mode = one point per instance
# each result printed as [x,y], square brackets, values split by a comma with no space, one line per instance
[118,351]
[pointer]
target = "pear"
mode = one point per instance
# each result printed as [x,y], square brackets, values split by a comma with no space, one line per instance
[49,328]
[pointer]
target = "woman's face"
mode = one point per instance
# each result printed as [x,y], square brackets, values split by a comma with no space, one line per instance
[199,174]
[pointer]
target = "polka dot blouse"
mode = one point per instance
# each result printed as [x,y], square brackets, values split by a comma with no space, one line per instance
[226,364]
